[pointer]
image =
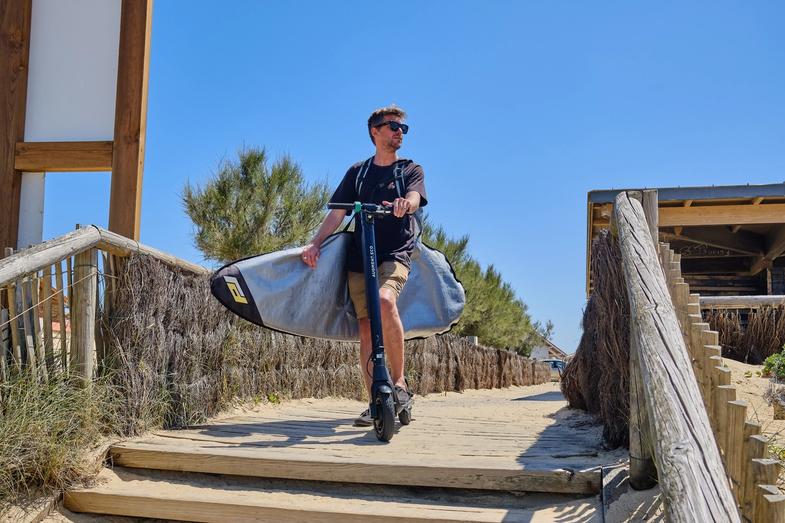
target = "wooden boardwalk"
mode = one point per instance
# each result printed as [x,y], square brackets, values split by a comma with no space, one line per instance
[460,448]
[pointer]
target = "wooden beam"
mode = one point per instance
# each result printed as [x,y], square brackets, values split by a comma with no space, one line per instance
[775,242]
[692,479]
[63,156]
[722,215]
[291,463]
[15,17]
[743,242]
[125,204]
[740,302]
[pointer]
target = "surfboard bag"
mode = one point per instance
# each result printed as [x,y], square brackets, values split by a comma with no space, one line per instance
[278,291]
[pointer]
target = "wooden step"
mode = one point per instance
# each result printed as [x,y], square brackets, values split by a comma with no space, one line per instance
[198,497]
[294,463]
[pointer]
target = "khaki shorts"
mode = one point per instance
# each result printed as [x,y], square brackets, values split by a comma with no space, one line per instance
[392,275]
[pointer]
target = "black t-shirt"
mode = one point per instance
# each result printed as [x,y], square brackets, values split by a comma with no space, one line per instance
[394,236]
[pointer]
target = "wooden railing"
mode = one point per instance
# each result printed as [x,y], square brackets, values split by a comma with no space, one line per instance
[51,296]
[711,462]
[674,423]
[744,450]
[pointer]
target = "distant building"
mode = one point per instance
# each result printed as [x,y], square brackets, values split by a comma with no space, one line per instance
[546,350]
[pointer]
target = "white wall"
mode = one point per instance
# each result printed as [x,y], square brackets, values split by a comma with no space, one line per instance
[71,87]
[72,82]
[539,353]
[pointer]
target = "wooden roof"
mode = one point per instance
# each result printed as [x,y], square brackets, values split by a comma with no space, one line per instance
[741,228]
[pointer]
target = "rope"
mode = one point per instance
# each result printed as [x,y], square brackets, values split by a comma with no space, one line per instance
[100,274]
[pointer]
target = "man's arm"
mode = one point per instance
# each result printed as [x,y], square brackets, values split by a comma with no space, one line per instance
[310,254]
[402,206]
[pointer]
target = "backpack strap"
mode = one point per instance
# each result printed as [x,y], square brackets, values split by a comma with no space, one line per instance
[358,182]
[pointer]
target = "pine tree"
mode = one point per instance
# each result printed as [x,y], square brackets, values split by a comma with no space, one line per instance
[248,208]
[493,312]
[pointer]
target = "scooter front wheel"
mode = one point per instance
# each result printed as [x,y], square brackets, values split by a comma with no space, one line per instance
[384,423]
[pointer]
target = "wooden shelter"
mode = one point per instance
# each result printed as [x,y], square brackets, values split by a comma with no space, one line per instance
[72,146]
[731,238]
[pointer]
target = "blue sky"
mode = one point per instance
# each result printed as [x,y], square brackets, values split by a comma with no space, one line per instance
[517,110]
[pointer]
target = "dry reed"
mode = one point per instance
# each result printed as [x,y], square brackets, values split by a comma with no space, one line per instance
[597,378]
[180,357]
[753,340]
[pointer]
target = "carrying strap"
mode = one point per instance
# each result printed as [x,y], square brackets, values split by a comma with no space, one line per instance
[400,186]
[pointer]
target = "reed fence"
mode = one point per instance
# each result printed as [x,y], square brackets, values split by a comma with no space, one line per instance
[84,304]
[51,296]
[712,461]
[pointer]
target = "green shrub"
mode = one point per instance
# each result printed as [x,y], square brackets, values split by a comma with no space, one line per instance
[774,365]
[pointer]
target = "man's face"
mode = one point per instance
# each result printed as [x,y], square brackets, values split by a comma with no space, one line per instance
[386,137]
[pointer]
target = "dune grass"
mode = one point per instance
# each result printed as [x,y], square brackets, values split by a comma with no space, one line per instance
[46,431]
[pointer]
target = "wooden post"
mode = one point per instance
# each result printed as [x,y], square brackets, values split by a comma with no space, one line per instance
[85,283]
[15,22]
[737,414]
[73,301]
[650,206]
[643,471]
[691,474]
[773,503]
[37,331]
[764,472]
[752,450]
[13,312]
[130,117]
[29,353]
[60,290]
[5,344]
[709,338]
[46,298]
[725,394]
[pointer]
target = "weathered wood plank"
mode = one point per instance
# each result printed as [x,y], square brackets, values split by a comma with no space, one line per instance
[13,313]
[722,215]
[692,478]
[292,464]
[197,499]
[63,156]
[740,302]
[750,452]
[50,252]
[130,117]
[35,302]
[15,21]
[60,295]
[86,275]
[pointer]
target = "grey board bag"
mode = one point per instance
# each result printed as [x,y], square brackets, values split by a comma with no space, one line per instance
[278,291]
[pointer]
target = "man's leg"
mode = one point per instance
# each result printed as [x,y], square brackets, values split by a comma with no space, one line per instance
[392,330]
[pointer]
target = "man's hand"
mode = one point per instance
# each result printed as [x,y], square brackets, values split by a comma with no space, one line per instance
[310,255]
[400,207]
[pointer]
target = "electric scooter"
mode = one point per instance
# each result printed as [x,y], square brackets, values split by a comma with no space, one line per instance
[384,402]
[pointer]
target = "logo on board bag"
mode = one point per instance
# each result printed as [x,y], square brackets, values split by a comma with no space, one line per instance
[235,290]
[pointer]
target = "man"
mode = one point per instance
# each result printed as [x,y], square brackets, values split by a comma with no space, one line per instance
[395,237]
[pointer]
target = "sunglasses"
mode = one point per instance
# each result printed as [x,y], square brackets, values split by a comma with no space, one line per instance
[394,126]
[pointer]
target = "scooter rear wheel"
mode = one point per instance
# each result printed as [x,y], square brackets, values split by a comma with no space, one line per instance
[405,416]
[384,423]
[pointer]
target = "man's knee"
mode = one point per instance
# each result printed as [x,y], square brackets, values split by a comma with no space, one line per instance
[388,300]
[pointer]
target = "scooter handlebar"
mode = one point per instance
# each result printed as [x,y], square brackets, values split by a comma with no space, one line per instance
[370,208]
